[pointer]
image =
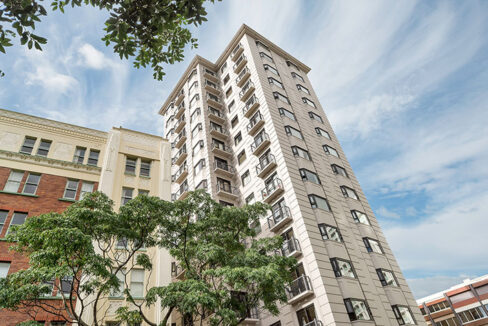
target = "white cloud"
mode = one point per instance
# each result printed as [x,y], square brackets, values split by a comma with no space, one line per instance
[386,213]
[50,80]
[92,58]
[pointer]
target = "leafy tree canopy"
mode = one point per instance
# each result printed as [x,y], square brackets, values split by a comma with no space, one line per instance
[224,269]
[155,32]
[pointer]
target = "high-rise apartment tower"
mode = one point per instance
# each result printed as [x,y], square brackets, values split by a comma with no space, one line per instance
[250,128]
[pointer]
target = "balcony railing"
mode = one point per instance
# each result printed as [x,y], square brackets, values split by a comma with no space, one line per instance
[216,114]
[179,110]
[182,152]
[180,139]
[272,190]
[314,322]
[298,287]
[218,129]
[181,171]
[225,188]
[179,97]
[243,75]
[224,166]
[279,218]
[291,248]
[246,90]
[255,122]
[251,104]
[180,123]
[266,165]
[177,270]
[240,63]
[237,50]
[259,142]
[252,313]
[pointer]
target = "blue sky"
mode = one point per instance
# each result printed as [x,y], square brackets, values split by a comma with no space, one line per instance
[404,84]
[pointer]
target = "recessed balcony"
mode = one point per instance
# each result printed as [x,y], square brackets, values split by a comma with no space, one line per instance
[179,97]
[279,218]
[240,63]
[212,87]
[177,271]
[299,289]
[224,169]
[180,175]
[261,142]
[180,140]
[291,248]
[213,100]
[272,191]
[209,74]
[227,191]
[265,166]
[246,91]
[251,105]
[180,124]
[180,156]
[180,109]
[219,132]
[216,115]
[221,150]
[235,53]
[180,194]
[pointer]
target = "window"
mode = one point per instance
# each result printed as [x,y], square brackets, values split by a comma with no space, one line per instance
[196,130]
[28,145]
[224,66]
[403,315]
[330,232]
[65,283]
[300,152]
[246,177]
[308,102]
[291,64]
[482,290]
[314,116]
[250,199]
[195,114]
[349,193]
[303,89]
[357,309]
[3,219]
[145,169]
[31,184]
[306,316]
[309,176]
[272,69]
[372,245]
[265,56]
[17,219]
[359,217]
[234,121]
[213,97]
[130,165]
[238,138]
[86,188]
[225,203]
[71,189]
[193,86]
[275,82]
[226,79]
[126,195]
[93,157]
[231,104]
[228,92]
[330,150]
[202,185]
[453,321]
[199,166]
[386,277]
[339,170]
[461,296]
[241,157]
[4,267]
[194,99]
[193,73]
[290,131]
[290,115]
[79,156]
[261,44]
[197,147]
[319,202]
[281,97]
[142,192]
[121,277]
[322,132]
[342,268]
[297,76]
[137,283]
[44,147]
[13,182]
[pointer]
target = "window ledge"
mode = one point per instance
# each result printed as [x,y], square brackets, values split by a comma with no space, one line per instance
[67,199]
[116,298]
[144,176]
[18,194]
[131,174]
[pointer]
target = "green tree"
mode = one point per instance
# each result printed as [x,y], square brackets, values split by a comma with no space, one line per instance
[224,270]
[155,32]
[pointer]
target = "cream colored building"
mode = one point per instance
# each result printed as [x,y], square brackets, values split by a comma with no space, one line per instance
[250,127]
[45,165]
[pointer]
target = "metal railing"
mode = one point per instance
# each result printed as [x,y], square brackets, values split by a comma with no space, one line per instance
[246,88]
[264,162]
[271,187]
[225,187]
[181,170]
[261,138]
[221,147]
[278,215]
[180,152]
[254,120]
[239,61]
[236,49]
[299,286]
[290,247]
[223,166]
[219,129]
[242,74]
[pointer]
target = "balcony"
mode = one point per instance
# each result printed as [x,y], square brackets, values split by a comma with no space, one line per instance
[179,97]
[212,87]
[252,316]
[180,194]
[180,175]
[180,124]
[291,248]
[216,115]
[241,62]
[272,191]
[219,132]
[210,75]
[180,109]
[224,169]
[180,156]
[177,271]
[251,105]
[255,123]
[279,218]
[299,289]
[265,166]
[243,76]
[235,53]
[213,100]
[246,91]
[227,191]
[180,140]
[260,143]
[221,150]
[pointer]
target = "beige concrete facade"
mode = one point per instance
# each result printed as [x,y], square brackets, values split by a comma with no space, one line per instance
[246,99]
[108,172]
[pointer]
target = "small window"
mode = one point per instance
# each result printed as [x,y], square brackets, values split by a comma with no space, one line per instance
[309,176]
[372,245]
[339,170]
[234,121]
[330,232]
[297,76]
[261,44]
[245,178]
[93,157]
[308,102]
[285,113]
[13,182]
[118,292]
[202,185]
[290,131]
[319,202]
[357,309]
[386,277]
[130,165]
[404,315]
[228,93]
[4,267]
[196,130]
[224,66]
[241,157]
[193,86]
[231,104]
[303,89]
[79,156]
[142,192]
[195,115]
[281,97]
[199,166]
[44,146]
[291,64]
[266,57]
[86,188]
[342,268]
[213,97]
[315,117]
[145,169]
[300,152]
[17,219]
[126,195]
[359,217]
[349,193]
[238,138]
[71,189]
[330,150]
[275,82]
[31,183]
[272,69]
[137,283]
[28,145]
[322,132]
[197,147]
[194,100]
[250,199]
[226,79]
[3,219]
